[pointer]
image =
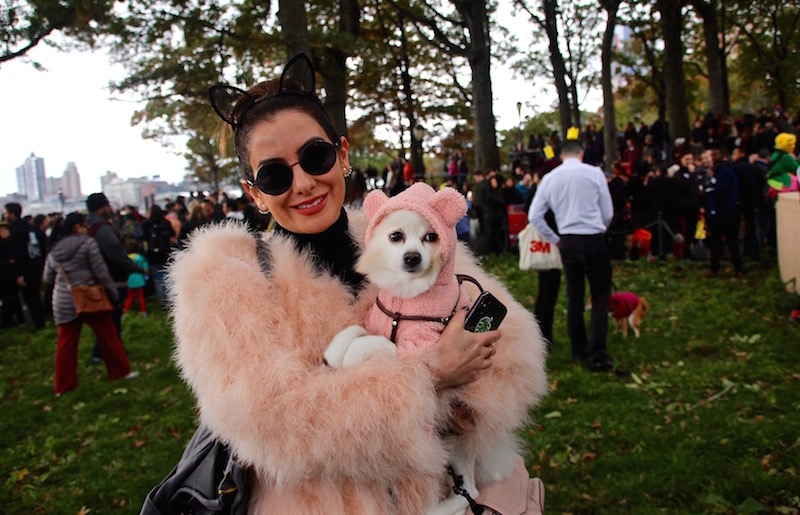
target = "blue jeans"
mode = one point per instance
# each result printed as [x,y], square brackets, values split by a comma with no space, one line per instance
[157,275]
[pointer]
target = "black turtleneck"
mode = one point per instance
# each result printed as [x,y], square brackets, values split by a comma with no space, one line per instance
[334,249]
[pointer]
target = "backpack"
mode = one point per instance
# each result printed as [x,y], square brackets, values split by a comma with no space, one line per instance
[159,242]
[207,480]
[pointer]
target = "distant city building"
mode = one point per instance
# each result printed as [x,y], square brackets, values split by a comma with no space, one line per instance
[126,192]
[71,182]
[31,178]
[107,179]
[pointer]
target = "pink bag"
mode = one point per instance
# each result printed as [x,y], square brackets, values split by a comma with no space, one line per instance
[519,494]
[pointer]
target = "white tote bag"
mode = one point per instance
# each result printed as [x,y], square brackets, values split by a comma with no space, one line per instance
[536,253]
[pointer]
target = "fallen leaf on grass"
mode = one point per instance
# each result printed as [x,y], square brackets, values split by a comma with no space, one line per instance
[570,400]
[587,497]
[19,475]
[139,443]
[553,414]
[589,456]
[596,424]
[84,510]
[47,409]
[554,385]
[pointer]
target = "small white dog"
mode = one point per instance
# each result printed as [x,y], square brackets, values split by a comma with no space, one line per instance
[409,254]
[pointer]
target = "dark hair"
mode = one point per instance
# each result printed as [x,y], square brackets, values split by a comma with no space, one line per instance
[15,209]
[156,213]
[571,147]
[63,227]
[132,247]
[72,221]
[291,97]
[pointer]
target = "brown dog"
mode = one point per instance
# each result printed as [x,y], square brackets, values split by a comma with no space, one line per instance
[628,309]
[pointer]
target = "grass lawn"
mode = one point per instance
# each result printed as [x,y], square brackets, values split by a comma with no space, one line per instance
[702,417]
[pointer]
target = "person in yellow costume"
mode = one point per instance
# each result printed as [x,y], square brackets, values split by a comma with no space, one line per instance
[782,173]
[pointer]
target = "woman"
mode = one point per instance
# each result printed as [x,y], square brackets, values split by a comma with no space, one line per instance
[159,234]
[74,258]
[253,317]
[197,218]
[497,214]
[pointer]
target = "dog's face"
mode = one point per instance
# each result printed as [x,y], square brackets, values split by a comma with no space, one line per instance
[404,255]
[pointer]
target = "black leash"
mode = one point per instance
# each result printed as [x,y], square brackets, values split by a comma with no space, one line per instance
[398,317]
[458,489]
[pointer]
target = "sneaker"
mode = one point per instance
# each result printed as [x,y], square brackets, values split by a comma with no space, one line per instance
[795,316]
[605,364]
[132,375]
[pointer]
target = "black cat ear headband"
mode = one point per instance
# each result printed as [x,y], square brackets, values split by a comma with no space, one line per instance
[232,104]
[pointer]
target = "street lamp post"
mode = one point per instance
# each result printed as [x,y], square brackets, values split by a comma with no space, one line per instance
[417,134]
[519,124]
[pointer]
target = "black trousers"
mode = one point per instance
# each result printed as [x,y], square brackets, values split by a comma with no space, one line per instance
[727,229]
[32,295]
[546,297]
[587,257]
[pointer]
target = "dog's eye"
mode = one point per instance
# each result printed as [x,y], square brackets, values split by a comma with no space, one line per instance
[396,236]
[431,237]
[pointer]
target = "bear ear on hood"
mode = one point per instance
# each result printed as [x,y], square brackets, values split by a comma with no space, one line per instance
[373,201]
[450,204]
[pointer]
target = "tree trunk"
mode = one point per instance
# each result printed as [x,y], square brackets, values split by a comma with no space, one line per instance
[331,65]
[473,12]
[408,107]
[574,109]
[557,60]
[674,76]
[714,56]
[294,27]
[334,65]
[609,120]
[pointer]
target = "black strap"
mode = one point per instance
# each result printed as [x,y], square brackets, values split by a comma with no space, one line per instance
[458,489]
[397,317]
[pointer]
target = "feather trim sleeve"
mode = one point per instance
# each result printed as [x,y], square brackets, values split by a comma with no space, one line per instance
[250,335]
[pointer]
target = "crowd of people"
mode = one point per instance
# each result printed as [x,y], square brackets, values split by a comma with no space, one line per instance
[41,256]
[254,310]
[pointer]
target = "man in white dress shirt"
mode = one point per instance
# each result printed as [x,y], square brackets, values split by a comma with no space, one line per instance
[579,197]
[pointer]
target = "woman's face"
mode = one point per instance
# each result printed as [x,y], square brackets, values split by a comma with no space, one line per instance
[313,202]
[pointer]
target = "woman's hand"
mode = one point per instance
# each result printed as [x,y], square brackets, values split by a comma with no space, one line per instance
[461,355]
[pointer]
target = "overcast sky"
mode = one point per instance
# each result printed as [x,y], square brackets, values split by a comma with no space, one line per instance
[65,114]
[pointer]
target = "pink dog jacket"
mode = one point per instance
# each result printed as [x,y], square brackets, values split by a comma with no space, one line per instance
[443,209]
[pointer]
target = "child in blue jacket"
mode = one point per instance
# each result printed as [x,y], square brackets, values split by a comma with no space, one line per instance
[136,281]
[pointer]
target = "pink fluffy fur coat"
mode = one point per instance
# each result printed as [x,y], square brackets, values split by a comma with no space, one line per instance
[250,344]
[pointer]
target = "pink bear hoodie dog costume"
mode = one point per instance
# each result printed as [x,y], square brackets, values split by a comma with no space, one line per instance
[442,209]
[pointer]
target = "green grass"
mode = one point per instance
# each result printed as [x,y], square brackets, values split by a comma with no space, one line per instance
[705,418]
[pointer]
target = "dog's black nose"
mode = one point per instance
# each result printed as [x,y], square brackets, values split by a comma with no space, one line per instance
[412,259]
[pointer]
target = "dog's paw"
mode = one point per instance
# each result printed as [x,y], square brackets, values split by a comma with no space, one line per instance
[335,353]
[365,347]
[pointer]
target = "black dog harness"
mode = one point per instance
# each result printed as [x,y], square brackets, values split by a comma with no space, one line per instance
[398,317]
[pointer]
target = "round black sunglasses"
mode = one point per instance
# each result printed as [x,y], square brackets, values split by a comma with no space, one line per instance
[275,177]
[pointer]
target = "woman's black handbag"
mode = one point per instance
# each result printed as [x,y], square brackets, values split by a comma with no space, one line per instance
[206,480]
